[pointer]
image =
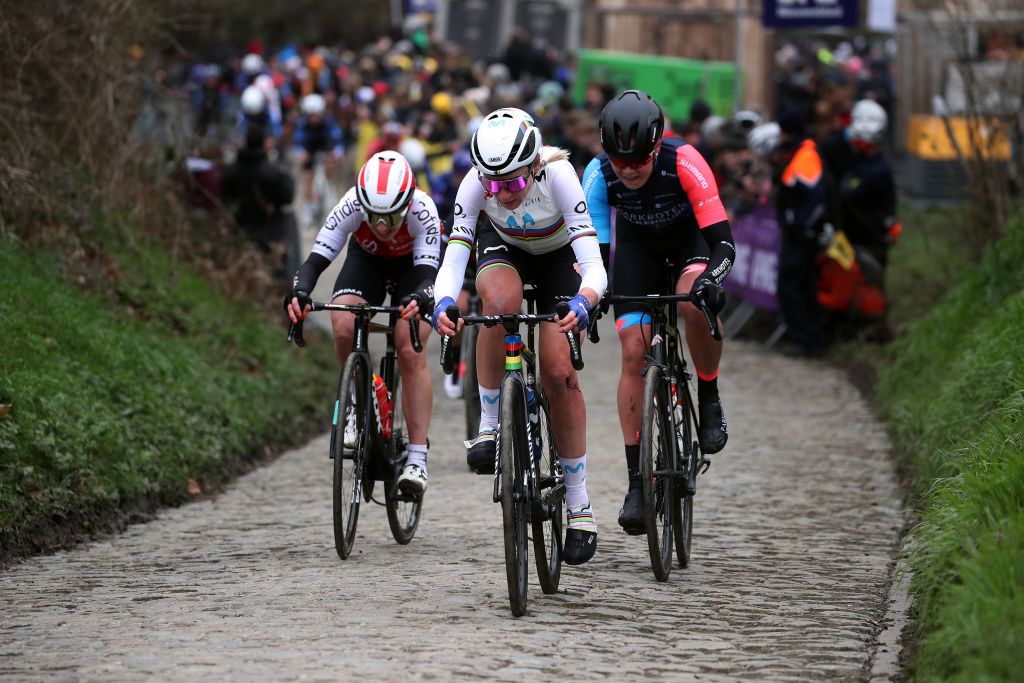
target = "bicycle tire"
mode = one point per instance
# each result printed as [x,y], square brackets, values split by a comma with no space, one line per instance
[403,511]
[656,471]
[684,525]
[470,388]
[513,447]
[547,533]
[349,464]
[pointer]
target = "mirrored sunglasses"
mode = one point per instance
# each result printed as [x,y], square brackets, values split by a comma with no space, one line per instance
[511,185]
[625,163]
[392,220]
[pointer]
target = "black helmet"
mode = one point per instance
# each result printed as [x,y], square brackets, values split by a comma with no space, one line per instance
[631,125]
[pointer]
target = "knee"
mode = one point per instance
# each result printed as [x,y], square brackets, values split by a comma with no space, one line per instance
[560,380]
[633,350]
[693,318]
[409,360]
[501,302]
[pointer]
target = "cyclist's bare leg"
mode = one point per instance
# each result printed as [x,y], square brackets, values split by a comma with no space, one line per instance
[418,388]
[706,354]
[704,350]
[634,341]
[561,384]
[344,326]
[501,291]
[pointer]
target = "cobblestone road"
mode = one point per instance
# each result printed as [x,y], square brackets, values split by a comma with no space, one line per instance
[795,529]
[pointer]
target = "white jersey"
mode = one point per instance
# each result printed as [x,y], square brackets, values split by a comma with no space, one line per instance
[553,214]
[419,234]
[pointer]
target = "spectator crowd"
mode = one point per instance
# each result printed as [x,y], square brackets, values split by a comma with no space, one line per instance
[302,107]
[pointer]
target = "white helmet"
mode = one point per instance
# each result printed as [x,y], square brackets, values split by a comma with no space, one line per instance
[253,100]
[313,104]
[506,140]
[386,184]
[252,64]
[764,138]
[867,122]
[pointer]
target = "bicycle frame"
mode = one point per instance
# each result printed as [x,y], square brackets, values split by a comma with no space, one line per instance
[383,451]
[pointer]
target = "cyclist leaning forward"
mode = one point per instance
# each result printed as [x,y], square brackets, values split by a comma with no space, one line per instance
[667,205]
[537,230]
[395,236]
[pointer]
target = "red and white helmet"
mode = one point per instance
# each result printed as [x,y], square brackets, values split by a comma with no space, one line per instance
[386,184]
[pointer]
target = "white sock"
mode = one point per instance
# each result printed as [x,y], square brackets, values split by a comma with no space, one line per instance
[416,454]
[488,407]
[575,472]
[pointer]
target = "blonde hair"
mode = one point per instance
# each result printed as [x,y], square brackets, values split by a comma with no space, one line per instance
[550,155]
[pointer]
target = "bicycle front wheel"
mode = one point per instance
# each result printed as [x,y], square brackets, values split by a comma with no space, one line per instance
[514,459]
[683,527]
[546,518]
[350,448]
[656,471]
[403,509]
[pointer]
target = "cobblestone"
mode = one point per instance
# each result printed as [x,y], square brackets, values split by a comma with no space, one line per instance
[794,537]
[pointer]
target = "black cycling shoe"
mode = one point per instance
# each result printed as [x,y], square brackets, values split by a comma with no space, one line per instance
[580,541]
[481,452]
[714,431]
[631,516]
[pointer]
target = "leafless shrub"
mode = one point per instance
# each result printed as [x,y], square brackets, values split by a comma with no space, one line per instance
[74,77]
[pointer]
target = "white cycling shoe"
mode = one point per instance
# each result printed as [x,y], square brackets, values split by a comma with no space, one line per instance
[413,479]
[453,385]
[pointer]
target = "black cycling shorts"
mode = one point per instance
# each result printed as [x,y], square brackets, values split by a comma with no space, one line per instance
[553,274]
[645,257]
[366,276]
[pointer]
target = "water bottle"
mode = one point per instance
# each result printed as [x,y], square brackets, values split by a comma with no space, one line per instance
[533,417]
[382,401]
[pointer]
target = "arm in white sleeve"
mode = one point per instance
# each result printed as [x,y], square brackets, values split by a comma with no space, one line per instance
[343,220]
[468,203]
[592,272]
[568,196]
[425,226]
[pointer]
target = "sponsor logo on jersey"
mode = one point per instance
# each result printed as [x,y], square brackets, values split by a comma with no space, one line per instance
[694,172]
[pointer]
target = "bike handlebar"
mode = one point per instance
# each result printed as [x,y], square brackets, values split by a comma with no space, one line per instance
[562,310]
[661,300]
[295,329]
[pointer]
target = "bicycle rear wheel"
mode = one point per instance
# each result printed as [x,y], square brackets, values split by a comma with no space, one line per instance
[514,499]
[403,509]
[547,523]
[349,462]
[656,471]
[470,388]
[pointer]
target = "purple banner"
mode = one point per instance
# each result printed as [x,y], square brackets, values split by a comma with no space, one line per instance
[756,236]
[801,13]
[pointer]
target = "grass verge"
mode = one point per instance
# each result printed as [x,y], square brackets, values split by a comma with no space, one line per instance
[114,403]
[952,388]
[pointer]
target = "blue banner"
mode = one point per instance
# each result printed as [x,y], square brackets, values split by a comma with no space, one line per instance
[804,13]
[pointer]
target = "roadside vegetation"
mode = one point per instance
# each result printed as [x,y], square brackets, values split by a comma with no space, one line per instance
[952,389]
[142,352]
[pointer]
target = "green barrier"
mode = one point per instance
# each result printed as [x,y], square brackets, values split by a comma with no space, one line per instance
[675,83]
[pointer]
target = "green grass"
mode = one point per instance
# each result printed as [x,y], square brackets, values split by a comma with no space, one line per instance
[116,405]
[953,390]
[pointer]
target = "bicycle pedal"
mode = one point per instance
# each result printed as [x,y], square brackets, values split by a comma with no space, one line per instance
[705,465]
